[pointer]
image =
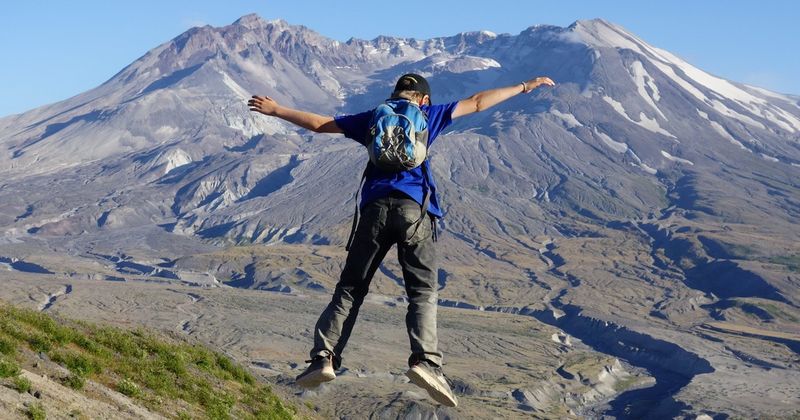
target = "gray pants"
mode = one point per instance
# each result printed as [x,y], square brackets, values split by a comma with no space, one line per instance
[385,222]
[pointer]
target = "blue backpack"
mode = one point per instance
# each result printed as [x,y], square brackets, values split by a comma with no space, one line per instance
[397,141]
[398,136]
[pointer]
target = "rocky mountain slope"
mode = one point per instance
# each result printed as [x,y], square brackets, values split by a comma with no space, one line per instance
[642,206]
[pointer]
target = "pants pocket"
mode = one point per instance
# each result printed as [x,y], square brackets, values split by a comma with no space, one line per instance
[415,226]
[372,220]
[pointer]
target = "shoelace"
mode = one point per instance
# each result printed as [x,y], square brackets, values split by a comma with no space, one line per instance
[439,372]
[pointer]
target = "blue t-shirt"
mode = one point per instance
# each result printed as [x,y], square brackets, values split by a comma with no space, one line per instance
[379,184]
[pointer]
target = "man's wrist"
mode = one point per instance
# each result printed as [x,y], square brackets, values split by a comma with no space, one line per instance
[278,111]
[524,87]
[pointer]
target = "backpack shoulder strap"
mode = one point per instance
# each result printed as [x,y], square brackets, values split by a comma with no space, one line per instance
[357,213]
[426,200]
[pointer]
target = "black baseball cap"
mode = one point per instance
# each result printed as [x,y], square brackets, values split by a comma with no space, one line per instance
[415,82]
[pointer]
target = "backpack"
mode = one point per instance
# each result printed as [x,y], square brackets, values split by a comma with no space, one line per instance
[397,141]
[398,136]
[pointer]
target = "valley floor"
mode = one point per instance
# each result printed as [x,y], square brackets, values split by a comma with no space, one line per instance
[502,365]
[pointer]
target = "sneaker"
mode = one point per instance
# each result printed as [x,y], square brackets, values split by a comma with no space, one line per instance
[430,377]
[320,370]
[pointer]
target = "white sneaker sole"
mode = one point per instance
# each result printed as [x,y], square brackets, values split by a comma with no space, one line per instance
[429,383]
[315,379]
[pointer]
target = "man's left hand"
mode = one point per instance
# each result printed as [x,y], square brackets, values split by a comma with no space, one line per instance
[536,82]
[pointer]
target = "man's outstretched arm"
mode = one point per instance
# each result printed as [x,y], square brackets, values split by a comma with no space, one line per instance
[489,98]
[308,120]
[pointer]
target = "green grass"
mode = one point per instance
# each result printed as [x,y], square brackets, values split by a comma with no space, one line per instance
[129,388]
[74,381]
[791,262]
[22,384]
[7,346]
[76,361]
[626,383]
[164,374]
[776,312]
[740,251]
[36,412]
[8,368]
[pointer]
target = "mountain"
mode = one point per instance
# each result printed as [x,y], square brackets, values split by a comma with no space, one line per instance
[643,206]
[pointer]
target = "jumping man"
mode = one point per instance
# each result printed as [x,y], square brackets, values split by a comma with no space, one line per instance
[394,209]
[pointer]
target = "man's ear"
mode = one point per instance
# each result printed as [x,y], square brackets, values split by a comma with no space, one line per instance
[426,100]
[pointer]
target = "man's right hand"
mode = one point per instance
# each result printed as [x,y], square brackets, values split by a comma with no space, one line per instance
[308,120]
[263,104]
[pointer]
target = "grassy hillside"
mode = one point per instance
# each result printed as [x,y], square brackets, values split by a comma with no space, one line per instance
[168,376]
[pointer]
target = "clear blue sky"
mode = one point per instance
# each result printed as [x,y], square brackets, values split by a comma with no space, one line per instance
[53,50]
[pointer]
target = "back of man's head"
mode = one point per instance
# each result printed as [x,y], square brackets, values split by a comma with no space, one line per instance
[411,86]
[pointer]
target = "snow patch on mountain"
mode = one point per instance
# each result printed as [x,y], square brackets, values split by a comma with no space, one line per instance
[676,159]
[617,107]
[601,34]
[720,86]
[614,145]
[639,164]
[670,72]
[458,64]
[774,114]
[643,81]
[780,117]
[652,125]
[598,33]
[669,63]
[769,158]
[648,169]
[644,122]
[724,110]
[722,131]
[568,119]
[774,95]
[771,113]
